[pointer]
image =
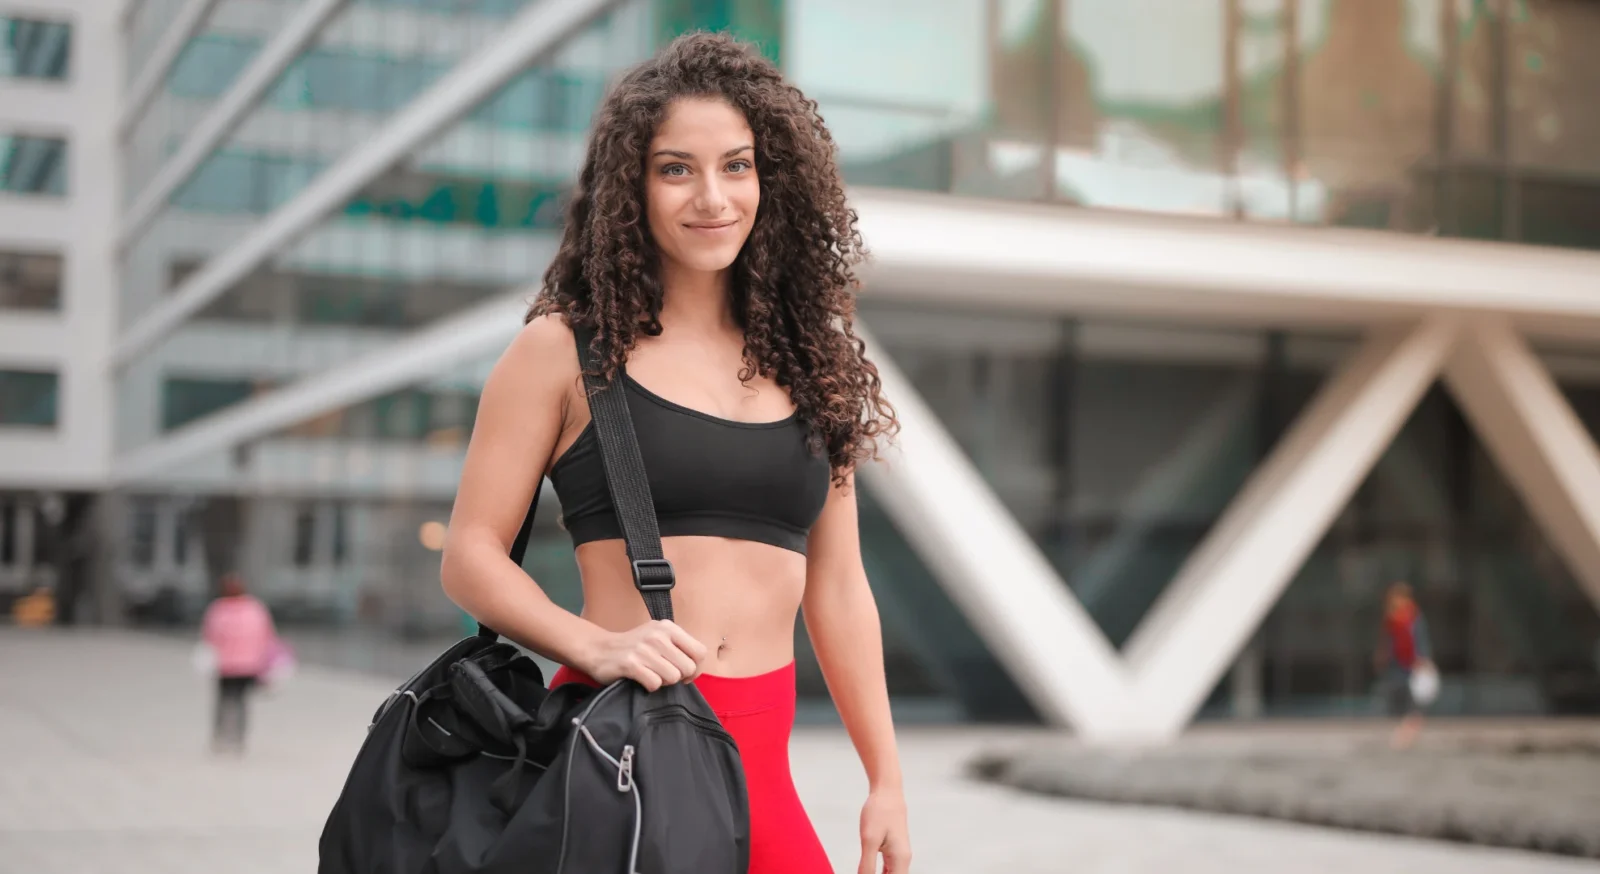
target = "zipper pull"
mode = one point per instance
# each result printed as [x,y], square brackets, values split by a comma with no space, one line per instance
[625,769]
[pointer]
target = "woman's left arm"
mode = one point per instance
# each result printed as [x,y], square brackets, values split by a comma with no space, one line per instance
[841,619]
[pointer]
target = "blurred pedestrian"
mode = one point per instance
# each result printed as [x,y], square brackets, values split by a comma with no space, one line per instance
[1406,661]
[239,631]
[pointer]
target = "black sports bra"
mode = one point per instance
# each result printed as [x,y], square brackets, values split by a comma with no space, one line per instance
[708,476]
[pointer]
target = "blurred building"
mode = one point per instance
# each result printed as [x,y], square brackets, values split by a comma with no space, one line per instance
[1207,319]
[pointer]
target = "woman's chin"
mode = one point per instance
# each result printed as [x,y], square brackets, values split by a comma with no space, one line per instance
[707,260]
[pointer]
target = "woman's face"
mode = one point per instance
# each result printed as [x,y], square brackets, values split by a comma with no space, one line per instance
[701,190]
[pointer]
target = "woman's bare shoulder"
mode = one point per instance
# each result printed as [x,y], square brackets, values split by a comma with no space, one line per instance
[546,340]
[543,356]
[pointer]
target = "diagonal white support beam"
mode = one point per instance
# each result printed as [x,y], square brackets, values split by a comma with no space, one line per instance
[1535,437]
[129,9]
[532,35]
[229,110]
[465,337]
[154,72]
[993,571]
[1225,589]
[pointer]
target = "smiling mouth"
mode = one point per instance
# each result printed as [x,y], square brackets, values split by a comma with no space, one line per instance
[712,226]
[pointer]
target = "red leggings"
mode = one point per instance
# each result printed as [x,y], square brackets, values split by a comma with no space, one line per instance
[759,712]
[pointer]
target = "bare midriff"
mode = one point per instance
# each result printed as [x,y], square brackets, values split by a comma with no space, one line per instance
[739,598]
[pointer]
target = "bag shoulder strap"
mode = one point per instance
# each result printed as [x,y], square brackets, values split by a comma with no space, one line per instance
[625,475]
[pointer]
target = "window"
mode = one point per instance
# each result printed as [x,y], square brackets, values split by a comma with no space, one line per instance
[32,49]
[30,281]
[305,535]
[209,64]
[180,536]
[28,398]
[185,399]
[33,165]
[142,524]
[8,532]
[341,532]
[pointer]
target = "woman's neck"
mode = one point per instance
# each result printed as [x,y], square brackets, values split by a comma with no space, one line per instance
[696,300]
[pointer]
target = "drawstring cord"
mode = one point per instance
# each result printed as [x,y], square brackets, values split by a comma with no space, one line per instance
[625,783]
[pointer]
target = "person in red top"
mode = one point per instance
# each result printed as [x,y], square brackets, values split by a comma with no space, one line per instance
[1408,650]
[239,630]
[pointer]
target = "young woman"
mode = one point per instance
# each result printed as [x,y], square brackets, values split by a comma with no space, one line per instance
[710,247]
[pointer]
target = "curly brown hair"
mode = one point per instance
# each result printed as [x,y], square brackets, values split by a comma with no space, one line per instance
[792,283]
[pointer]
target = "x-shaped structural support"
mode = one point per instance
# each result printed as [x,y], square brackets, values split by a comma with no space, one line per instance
[1041,633]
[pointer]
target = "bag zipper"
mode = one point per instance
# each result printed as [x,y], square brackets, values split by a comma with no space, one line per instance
[566,783]
[624,765]
[675,712]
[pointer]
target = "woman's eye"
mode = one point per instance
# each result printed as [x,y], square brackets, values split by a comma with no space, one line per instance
[672,170]
[739,166]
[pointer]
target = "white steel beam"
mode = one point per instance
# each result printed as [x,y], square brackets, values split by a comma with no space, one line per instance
[930,247]
[154,72]
[1537,440]
[421,355]
[129,9]
[1221,594]
[229,110]
[532,34]
[993,571]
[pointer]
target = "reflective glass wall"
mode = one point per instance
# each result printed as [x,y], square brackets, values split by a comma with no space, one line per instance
[1419,116]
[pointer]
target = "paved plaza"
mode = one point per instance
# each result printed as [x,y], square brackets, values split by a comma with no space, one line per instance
[107,770]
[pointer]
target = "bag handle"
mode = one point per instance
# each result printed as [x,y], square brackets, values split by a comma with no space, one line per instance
[630,489]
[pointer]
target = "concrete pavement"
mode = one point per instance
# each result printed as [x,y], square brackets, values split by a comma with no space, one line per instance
[107,770]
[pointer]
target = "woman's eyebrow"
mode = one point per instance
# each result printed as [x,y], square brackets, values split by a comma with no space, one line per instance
[673,153]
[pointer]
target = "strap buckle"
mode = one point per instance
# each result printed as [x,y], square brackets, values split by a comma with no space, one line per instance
[639,564]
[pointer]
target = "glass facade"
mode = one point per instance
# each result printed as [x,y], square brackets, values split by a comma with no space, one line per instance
[1116,444]
[33,165]
[150,19]
[1419,116]
[467,218]
[35,49]
[229,38]
[1512,630]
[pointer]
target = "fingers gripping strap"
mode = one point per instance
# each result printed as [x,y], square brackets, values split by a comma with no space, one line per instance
[625,474]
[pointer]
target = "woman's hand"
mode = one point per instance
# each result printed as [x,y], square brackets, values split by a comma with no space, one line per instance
[655,654]
[884,830]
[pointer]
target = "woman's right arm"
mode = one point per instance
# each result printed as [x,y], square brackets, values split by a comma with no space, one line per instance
[520,417]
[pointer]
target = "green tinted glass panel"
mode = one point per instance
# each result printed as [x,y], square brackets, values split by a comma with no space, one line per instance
[757,21]
[33,165]
[31,49]
[187,399]
[28,398]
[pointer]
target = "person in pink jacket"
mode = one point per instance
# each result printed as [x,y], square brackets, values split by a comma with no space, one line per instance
[239,630]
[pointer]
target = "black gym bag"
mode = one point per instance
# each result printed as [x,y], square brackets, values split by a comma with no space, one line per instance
[474,767]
